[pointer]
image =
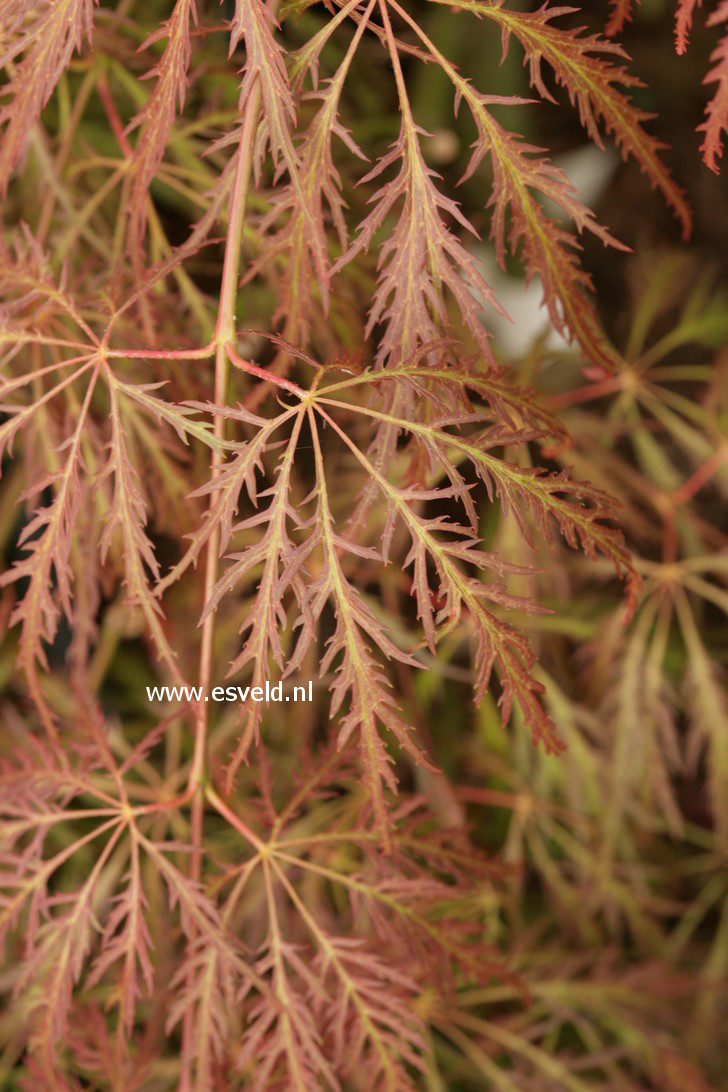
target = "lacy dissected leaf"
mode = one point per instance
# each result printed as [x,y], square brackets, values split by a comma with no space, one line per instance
[460,593]
[521,490]
[716,123]
[414,911]
[95,1046]
[683,22]
[12,15]
[205,986]
[47,541]
[49,37]
[583,65]
[20,415]
[157,117]
[282,1046]
[265,64]
[265,69]
[549,250]
[330,924]
[420,258]
[182,418]
[60,923]
[306,60]
[238,474]
[545,494]
[320,187]
[127,513]
[446,388]
[58,959]
[274,553]
[620,14]
[200,917]
[643,746]
[126,940]
[498,642]
[29,283]
[373,1028]
[359,678]
[97,932]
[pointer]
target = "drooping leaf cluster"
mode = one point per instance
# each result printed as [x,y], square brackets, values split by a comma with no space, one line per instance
[254,428]
[716,112]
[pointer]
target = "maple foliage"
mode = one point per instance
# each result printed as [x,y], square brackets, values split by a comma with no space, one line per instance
[621,13]
[582,64]
[45,45]
[190,896]
[716,123]
[157,117]
[716,120]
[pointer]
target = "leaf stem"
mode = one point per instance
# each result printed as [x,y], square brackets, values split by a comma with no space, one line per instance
[263,373]
[235,821]
[164,354]
[396,68]
[225,328]
[224,333]
[702,475]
